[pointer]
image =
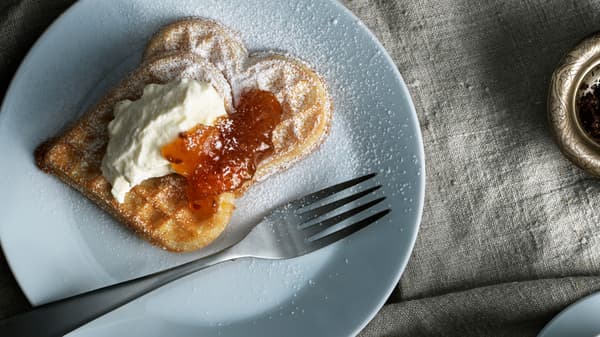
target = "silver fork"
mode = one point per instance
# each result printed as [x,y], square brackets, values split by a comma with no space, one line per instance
[289,231]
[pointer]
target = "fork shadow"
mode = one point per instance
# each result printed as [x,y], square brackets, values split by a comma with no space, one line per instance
[233,233]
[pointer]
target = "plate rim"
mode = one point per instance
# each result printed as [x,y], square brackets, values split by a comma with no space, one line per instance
[9,91]
[420,153]
[566,311]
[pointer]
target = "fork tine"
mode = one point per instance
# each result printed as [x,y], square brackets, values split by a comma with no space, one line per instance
[322,210]
[324,193]
[318,227]
[348,230]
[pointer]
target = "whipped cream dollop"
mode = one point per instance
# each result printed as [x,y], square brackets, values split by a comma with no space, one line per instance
[141,128]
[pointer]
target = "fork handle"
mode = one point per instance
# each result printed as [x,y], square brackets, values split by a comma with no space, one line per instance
[60,317]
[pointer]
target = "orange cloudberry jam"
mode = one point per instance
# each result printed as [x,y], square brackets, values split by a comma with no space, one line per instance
[220,158]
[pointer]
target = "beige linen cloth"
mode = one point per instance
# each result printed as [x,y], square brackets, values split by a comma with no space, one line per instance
[510,232]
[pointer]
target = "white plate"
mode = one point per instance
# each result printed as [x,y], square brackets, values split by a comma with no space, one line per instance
[581,319]
[59,244]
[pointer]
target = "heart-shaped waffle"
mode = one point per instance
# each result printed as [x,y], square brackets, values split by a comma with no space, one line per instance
[204,50]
